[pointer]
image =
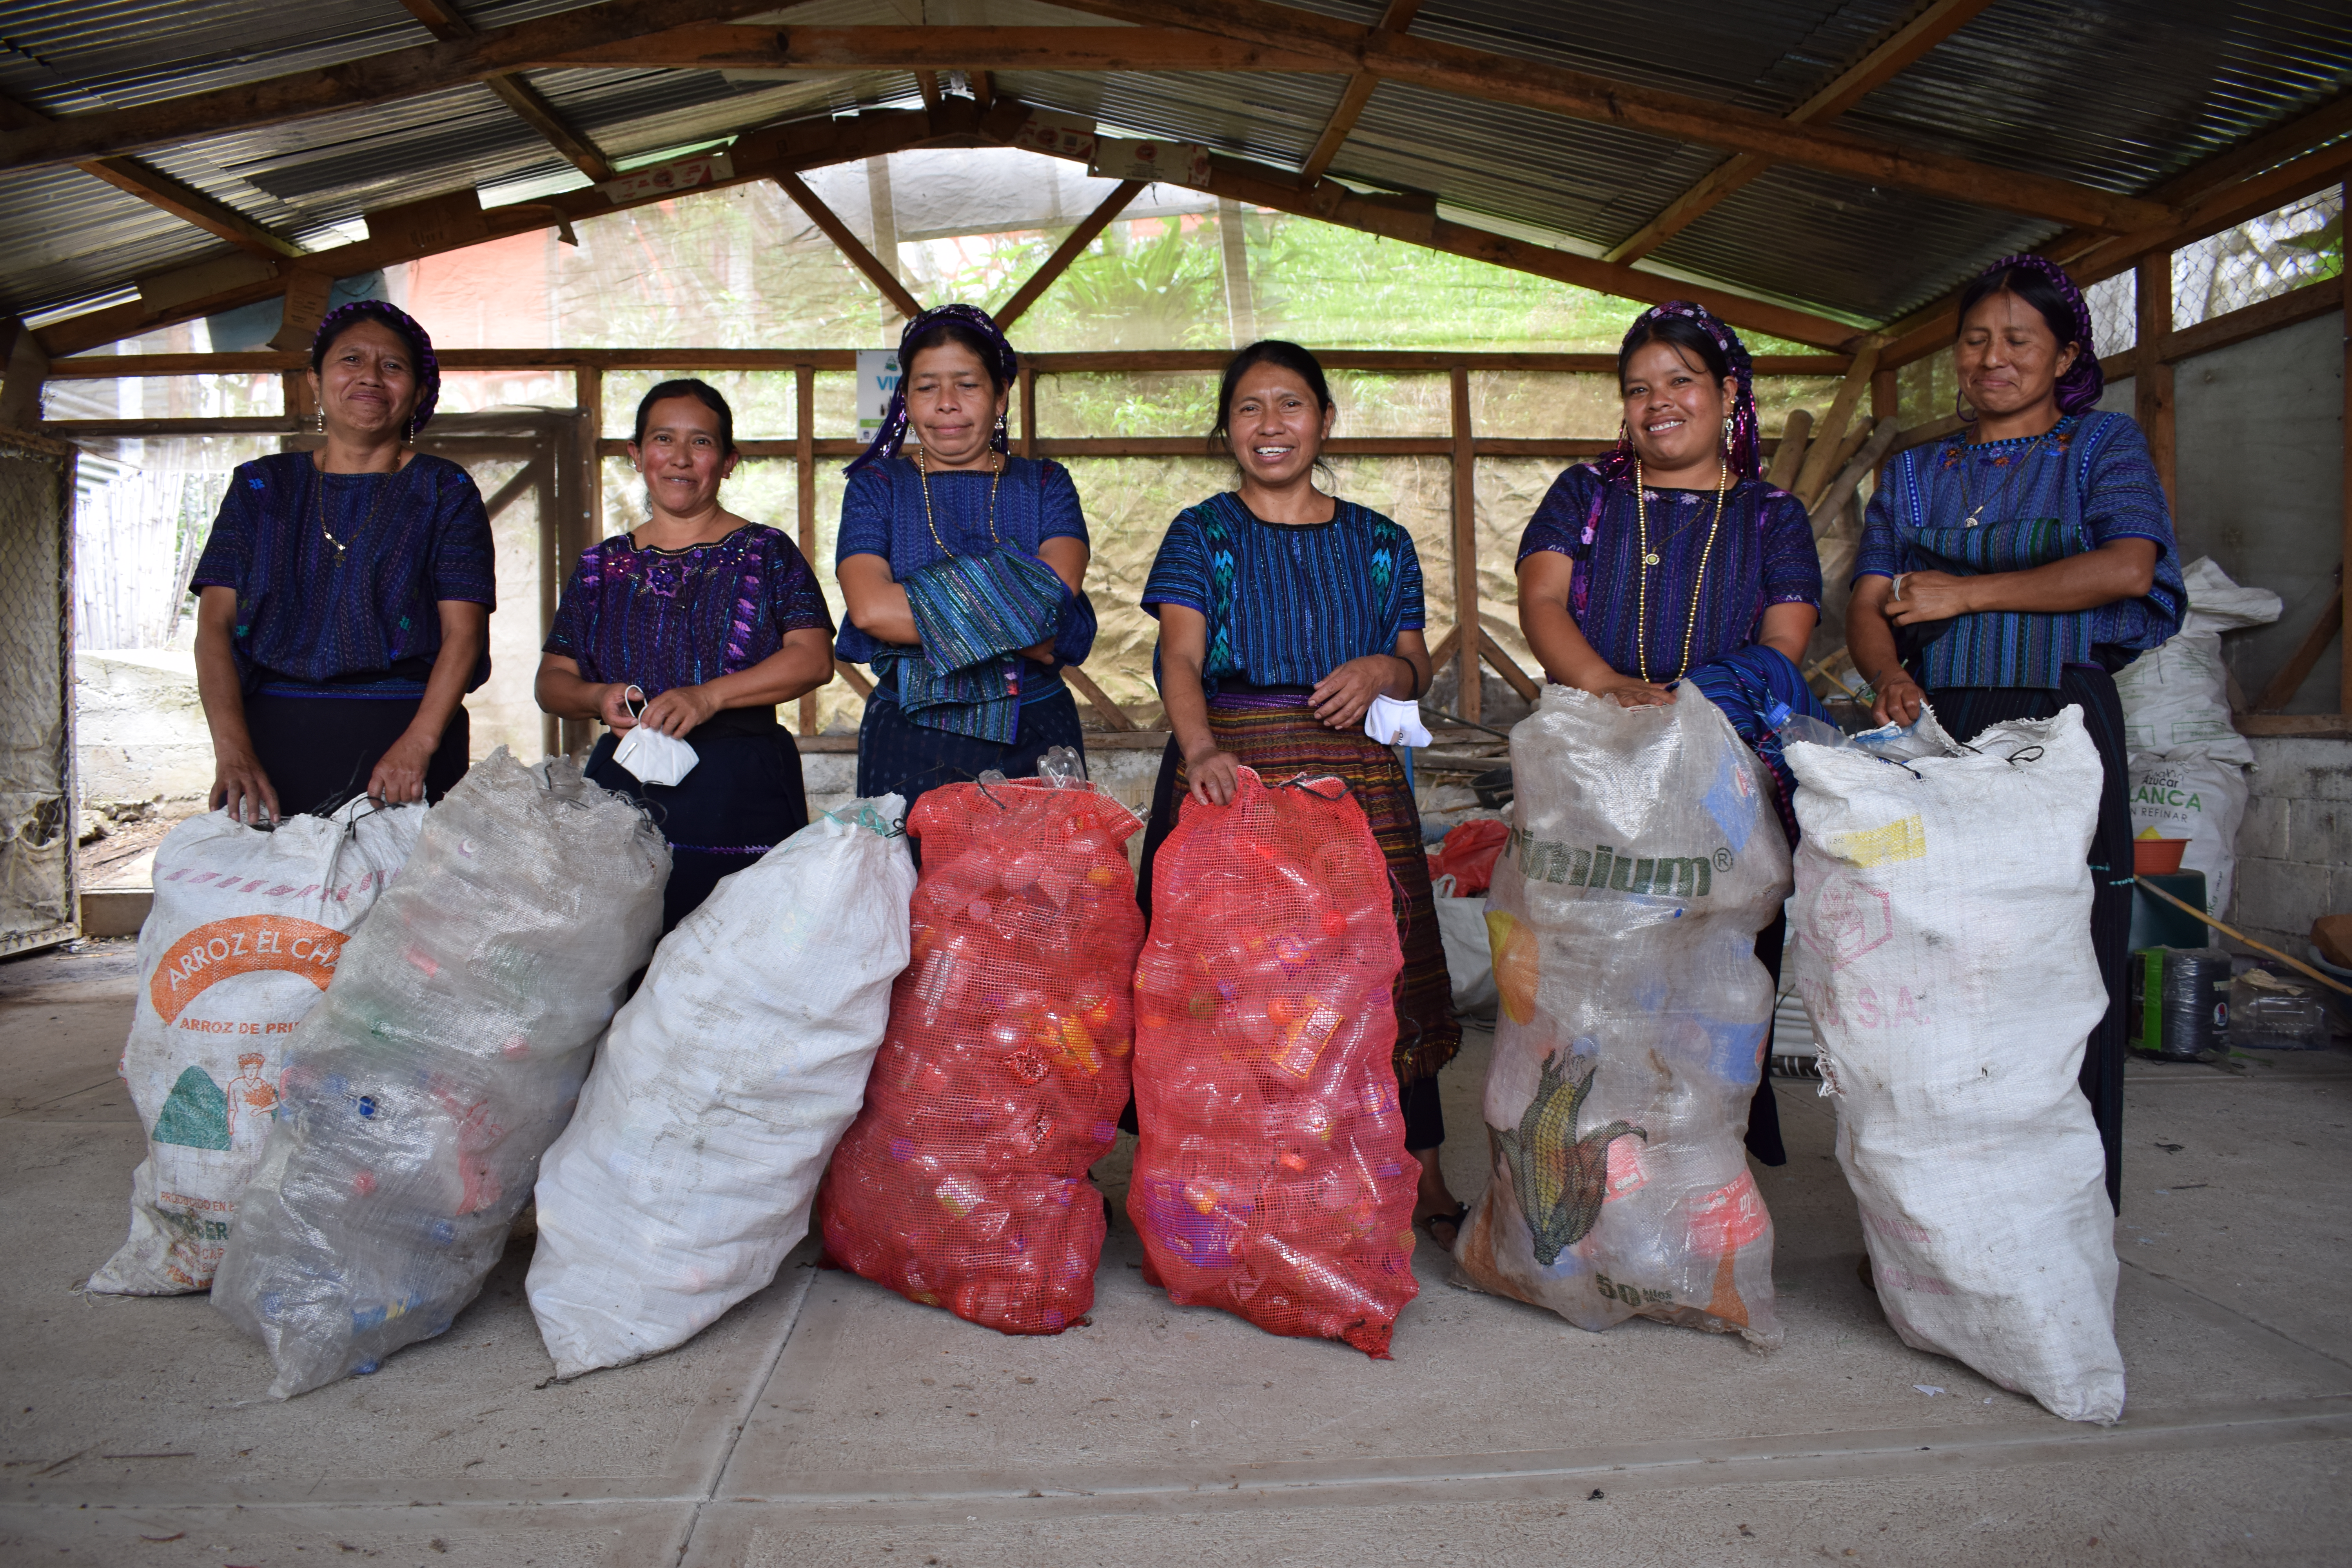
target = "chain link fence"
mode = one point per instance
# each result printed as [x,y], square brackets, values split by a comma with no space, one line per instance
[36,891]
[2300,243]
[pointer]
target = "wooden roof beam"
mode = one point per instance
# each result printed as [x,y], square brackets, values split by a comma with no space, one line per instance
[1576,95]
[756,155]
[1893,55]
[1069,250]
[379,78]
[722,47]
[1395,19]
[446,22]
[875,271]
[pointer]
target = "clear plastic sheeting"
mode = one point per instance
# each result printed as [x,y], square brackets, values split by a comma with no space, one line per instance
[246,930]
[719,1093]
[1944,954]
[1644,860]
[444,1057]
[1271,1178]
[37,889]
[963,1181]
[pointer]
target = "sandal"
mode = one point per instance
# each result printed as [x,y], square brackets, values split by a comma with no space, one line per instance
[1430,1222]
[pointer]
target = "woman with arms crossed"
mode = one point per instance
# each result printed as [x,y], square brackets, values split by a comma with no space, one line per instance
[2008,570]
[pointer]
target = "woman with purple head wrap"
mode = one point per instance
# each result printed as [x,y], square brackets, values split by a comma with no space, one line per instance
[345,592]
[1670,563]
[2009,570]
[961,567]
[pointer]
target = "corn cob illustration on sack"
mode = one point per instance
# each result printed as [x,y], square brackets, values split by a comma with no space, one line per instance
[1643,858]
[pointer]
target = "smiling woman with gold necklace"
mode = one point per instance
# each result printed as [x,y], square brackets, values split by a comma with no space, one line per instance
[1670,563]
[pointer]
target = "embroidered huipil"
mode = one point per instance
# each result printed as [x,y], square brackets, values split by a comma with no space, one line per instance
[2087,482]
[882,514]
[1287,604]
[308,613]
[1763,556]
[667,618]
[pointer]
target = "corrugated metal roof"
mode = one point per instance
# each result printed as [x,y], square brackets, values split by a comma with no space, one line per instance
[2118,95]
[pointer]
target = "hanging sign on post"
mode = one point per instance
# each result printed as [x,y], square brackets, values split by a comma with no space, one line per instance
[877,378]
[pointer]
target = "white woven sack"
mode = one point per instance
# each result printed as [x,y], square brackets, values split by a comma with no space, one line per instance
[2175,698]
[719,1093]
[2189,794]
[1469,962]
[420,1094]
[247,926]
[1943,914]
[1643,858]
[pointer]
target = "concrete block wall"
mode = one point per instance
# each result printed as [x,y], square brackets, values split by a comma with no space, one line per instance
[2294,847]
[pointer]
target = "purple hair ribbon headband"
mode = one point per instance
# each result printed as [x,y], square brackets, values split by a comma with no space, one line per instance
[2085,379]
[1744,457]
[1004,361]
[428,369]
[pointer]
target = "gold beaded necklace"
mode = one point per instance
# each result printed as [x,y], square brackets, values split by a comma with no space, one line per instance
[1650,558]
[923,473]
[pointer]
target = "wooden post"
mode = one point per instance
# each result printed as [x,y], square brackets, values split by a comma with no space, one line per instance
[2152,372]
[2344,566]
[1465,551]
[1791,453]
[580,518]
[23,368]
[1028,439]
[805,472]
[1821,457]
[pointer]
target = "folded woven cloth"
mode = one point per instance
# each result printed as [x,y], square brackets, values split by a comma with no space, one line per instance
[975,613]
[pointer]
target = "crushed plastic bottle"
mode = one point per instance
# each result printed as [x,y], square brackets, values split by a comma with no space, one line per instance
[962,1184]
[1271,1178]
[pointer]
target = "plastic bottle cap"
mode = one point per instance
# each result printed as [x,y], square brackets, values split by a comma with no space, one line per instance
[1781,715]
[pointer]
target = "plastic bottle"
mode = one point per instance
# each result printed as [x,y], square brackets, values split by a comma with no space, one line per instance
[1792,726]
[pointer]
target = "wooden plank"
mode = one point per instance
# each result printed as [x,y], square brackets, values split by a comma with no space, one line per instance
[1851,473]
[2324,297]
[306,297]
[1821,455]
[1506,667]
[850,245]
[2336,726]
[1794,433]
[721,46]
[353,84]
[855,677]
[2306,658]
[1893,55]
[1110,713]
[1920,434]
[805,476]
[23,368]
[2152,376]
[2343,556]
[1396,18]
[1028,442]
[1072,246]
[190,206]
[509,492]
[1466,550]
[534,110]
[1445,649]
[1491,77]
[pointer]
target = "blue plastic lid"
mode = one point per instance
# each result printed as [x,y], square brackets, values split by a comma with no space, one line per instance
[1781,715]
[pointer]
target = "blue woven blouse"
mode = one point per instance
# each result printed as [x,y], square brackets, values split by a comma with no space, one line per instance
[1287,604]
[1762,556]
[2086,482]
[882,514]
[369,617]
[666,618]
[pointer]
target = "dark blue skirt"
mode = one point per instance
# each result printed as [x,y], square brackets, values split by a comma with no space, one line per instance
[744,798]
[896,756]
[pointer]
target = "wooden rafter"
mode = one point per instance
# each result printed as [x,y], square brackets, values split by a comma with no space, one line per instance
[864,260]
[1576,95]
[445,22]
[1069,250]
[722,47]
[190,205]
[379,78]
[759,155]
[1395,19]
[1893,55]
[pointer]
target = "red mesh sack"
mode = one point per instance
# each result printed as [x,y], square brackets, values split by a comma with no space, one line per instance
[1469,854]
[962,1184]
[1271,1178]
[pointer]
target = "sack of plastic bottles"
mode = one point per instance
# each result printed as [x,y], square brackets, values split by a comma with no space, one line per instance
[244,935]
[1271,1178]
[1944,955]
[719,1093]
[446,1056]
[963,1181]
[1644,858]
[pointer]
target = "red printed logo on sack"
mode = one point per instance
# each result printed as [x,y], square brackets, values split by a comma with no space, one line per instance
[1728,1218]
[213,953]
[1849,921]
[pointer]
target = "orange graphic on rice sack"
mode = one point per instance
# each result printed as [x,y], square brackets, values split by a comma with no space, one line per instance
[1511,943]
[242,945]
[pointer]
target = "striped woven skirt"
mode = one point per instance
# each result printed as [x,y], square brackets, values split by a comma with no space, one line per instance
[1273,731]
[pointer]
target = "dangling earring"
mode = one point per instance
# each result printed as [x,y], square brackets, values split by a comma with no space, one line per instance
[408,433]
[1625,434]
[318,421]
[1001,436]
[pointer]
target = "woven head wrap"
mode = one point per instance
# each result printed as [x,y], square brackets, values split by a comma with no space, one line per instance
[2080,387]
[1618,463]
[999,354]
[404,326]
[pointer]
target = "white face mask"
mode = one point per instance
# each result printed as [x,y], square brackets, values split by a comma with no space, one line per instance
[655,758]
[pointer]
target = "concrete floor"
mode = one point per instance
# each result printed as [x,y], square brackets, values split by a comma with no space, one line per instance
[827,1422]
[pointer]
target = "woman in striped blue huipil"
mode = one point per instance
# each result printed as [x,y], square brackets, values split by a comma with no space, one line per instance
[2008,570]
[1284,611]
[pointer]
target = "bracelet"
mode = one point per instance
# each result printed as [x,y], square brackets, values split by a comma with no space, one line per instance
[1413,672]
